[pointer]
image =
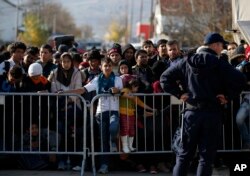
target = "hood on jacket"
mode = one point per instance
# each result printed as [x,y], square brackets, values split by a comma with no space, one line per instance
[203,62]
[126,47]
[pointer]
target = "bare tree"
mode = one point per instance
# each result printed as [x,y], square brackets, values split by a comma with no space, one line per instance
[206,16]
[189,20]
[87,32]
[55,17]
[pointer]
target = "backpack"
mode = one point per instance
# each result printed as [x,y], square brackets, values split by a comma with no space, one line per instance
[6,67]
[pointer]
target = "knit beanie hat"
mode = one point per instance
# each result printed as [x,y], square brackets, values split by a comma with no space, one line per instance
[116,48]
[35,69]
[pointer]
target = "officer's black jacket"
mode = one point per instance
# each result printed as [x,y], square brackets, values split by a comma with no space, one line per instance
[203,76]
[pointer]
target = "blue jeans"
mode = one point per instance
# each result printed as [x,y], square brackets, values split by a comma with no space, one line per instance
[241,116]
[108,122]
[200,129]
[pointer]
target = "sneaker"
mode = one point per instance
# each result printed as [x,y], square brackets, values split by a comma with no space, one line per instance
[77,168]
[153,170]
[113,147]
[103,169]
[61,165]
[141,168]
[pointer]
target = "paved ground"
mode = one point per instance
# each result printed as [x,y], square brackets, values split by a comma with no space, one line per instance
[220,172]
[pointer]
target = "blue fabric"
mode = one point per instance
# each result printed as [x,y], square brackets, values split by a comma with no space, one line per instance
[242,115]
[203,76]
[105,84]
[108,122]
[199,129]
[6,86]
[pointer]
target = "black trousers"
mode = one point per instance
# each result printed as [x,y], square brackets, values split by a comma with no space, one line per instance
[200,129]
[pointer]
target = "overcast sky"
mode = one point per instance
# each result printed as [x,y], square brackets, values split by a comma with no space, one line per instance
[98,13]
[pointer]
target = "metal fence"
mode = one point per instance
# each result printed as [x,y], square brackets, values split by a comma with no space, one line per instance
[62,123]
[44,124]
[154,135]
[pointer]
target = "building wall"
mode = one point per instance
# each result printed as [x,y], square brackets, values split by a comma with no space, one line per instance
[8,19]
[167,23]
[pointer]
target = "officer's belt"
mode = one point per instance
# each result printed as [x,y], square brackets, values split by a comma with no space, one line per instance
[203,106]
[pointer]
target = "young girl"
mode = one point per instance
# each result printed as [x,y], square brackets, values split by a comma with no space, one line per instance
[67,77]
[124,68]
[127,113]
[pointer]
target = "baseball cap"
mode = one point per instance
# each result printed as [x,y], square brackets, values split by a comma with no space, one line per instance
[214,37]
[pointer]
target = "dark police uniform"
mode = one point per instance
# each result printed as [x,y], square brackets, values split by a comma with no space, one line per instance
[202,76]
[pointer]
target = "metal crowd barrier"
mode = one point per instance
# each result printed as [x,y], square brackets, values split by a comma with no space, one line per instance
[60,120]
[155,134]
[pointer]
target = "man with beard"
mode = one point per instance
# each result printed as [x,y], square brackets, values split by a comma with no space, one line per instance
[173,52]
[149,47]
[162,53]
[143,71]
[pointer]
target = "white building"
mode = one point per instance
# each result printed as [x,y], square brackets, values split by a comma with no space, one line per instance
[241,20]
[168,19]
[10,20]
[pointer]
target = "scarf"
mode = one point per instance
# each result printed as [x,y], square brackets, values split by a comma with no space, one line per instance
[41,79]
[104,84]
[64,76]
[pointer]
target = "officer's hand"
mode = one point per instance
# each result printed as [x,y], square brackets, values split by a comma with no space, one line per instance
[184,97]
[222,99]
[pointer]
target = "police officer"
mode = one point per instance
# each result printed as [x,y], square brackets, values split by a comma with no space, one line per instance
[204,82]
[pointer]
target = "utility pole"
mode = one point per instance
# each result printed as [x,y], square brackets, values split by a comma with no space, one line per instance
[140,21]
[54,24]
[131,19]
[151,19]
[17,18]
[126,23]
[141,10]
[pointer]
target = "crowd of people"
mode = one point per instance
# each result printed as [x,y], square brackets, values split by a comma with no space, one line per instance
[123,70]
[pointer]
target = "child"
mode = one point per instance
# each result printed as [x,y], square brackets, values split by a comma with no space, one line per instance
[39,140]
[36,106]
[115,54]
[35,81]
[46,58]
[127,114]
[128,54]
[124,68]
[66,77]
[107,112]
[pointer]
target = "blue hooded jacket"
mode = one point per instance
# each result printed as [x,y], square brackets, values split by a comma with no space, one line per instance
[203,76]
